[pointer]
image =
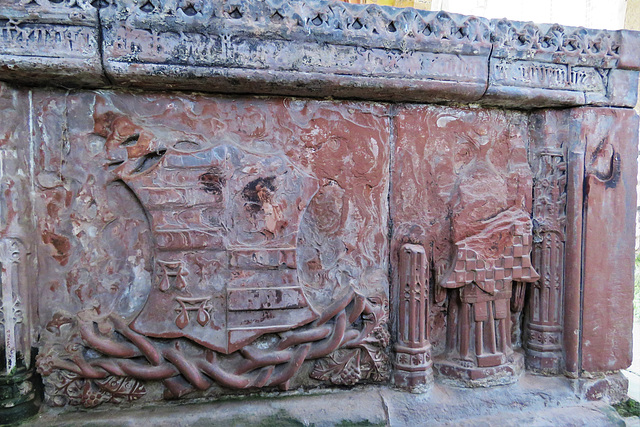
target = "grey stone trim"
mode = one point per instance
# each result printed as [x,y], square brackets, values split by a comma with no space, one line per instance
[322,48]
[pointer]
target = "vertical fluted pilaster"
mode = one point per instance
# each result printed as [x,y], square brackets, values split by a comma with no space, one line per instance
[413,366]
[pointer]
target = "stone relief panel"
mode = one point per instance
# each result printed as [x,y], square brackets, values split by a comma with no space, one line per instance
[462,189]
[209,244]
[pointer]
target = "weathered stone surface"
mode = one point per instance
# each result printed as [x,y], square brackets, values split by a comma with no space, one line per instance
[599,145]
[313,48]
[610,388]
[462,189]
[182,245]
[541,65]
[50,42]
[533,401]
[611,151]
[316,48]
[255,229]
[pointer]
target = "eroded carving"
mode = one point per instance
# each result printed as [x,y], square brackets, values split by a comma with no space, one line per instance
[482,276]
[330,20]
[238,231]
[470,208]
[185,368]
[573,46]
[68,388]
[11,254]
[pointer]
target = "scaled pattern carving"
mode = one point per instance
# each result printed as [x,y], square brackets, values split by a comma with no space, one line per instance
[263,255]
[488,274]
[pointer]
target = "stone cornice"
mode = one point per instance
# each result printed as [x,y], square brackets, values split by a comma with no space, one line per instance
[314,48]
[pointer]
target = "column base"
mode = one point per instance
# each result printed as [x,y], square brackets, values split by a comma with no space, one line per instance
[17,397]
[456,374]
[413,369]
[544,362]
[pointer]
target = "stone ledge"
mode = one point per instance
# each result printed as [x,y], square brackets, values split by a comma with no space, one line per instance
[533,400]
[316,48]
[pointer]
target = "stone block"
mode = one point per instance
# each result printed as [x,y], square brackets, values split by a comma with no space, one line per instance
[611,151]
[44,42]
[317,48]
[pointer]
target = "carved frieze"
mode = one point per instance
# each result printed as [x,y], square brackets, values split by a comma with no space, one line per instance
[60,36]
[343,42]
[316,47]
[555,44]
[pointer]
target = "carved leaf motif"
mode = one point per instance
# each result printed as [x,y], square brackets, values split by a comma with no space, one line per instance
[122,388]
[63,387]
[375,362]
[203,316]
[183,319]
[164,283]
[341,367]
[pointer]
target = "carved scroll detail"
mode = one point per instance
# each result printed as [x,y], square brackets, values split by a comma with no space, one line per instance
[124,353]
[544,327]
[413,365]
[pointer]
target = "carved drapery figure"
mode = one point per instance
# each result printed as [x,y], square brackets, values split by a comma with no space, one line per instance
[481,281]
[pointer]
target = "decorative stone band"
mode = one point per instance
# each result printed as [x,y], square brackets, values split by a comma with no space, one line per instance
[347,343]
[315,48]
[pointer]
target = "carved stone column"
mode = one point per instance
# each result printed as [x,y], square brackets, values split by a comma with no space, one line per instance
[543,330]
[17,383]
[413,366]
